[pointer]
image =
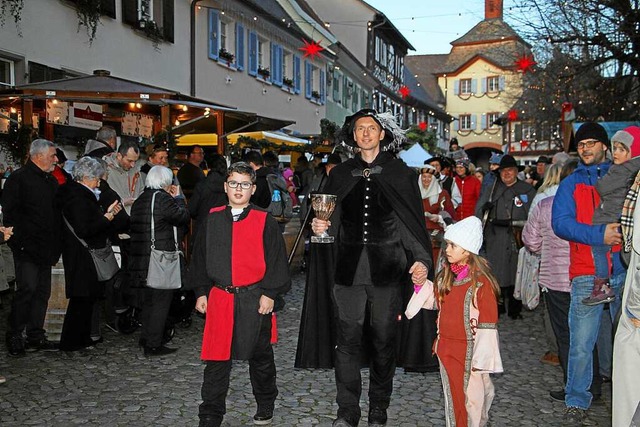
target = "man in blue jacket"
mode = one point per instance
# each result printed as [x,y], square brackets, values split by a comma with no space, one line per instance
[573,209]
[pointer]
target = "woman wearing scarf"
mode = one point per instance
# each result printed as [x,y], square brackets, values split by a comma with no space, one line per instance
[438,209]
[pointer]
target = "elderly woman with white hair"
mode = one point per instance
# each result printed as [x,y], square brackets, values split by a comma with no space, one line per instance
[169,211]
[84,219]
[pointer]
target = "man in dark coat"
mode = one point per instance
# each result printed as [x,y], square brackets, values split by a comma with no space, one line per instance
[208,193]
[504,211]
[381,239]
[28,203]
[262,196]
[191,173]
[103,145]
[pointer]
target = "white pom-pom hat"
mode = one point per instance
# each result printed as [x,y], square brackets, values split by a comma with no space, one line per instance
[466,233]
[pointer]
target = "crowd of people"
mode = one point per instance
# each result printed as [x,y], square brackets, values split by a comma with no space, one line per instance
[445,238]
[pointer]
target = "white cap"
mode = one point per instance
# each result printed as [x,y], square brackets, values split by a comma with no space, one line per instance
[466,233]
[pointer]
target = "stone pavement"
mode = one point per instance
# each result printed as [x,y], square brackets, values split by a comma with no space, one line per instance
[115,385]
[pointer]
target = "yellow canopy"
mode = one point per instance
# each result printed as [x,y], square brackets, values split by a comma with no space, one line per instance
[275,137]
[202,139]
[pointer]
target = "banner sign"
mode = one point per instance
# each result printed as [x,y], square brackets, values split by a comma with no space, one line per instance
[136,124]
[57,112]
[86,116]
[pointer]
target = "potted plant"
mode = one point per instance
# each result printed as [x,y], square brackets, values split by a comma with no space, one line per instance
[151,30]
[315,94]
[225,55]
[286,81]
[264,72]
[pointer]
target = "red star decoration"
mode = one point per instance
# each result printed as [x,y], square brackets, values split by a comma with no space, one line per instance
[512,115]
[525,63]
[312,49]
[404,91]
[524,144]
[422,126]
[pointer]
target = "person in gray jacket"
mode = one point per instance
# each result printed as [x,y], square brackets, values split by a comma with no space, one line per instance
[612,189]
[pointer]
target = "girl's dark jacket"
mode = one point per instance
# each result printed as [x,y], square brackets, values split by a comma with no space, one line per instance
[167,213]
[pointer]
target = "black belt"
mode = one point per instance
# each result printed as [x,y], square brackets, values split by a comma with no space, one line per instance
[235,289]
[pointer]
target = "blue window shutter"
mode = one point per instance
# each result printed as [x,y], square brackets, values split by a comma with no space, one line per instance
[273,62]
[336,86]
[277,74]
[501,83]
[473,122]
[253,54]
[307,79]
[456,87]
[213,33]
[296,74]
[322,86]
[474,85]
[484,85]
[484,121]
[239,46]
[456,124]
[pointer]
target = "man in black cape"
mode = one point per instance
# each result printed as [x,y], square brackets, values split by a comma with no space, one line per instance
[381,244]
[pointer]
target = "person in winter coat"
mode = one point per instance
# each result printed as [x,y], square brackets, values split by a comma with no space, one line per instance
[104,144]
[83,218]
[505,211]
[208,193]
[573,208]
[469,187]
[28,203]
[438,209]
[553,276]
[169,211]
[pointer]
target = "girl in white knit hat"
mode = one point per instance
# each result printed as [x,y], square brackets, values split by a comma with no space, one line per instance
[466,294]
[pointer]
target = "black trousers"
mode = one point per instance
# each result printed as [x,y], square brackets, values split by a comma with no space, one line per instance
[383,305]
[154,314]
[262,373]
[513,306]
[29,306]
[76,329]
[558,306]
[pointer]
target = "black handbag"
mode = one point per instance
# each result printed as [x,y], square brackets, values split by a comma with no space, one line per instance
[103,258]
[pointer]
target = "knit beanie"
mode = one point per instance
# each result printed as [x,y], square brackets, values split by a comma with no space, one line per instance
[629,137]
[466,233]
[592,130]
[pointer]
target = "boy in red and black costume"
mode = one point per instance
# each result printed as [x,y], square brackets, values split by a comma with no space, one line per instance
[238,269]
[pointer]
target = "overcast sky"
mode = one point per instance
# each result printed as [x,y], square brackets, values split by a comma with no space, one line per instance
[431,25]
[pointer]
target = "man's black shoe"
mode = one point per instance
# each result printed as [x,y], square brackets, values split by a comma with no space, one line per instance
[377,417]
[15,345]
[159,351]
[341,422]
[263,417]
[41,345]
[210,421]
[557,395]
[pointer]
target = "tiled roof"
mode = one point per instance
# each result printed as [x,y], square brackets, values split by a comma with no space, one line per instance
[425,67]
[488,30]
[502,54]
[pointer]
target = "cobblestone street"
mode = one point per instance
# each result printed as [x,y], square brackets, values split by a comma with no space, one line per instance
[115,385]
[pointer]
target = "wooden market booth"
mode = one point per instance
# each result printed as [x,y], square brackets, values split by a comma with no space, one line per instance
[78,106]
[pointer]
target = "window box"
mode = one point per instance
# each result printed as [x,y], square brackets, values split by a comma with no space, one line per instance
[264,73]
[315,95]
[225,55]
[287,82]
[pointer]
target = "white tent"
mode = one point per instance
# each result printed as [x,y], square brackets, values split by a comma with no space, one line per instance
[415,156]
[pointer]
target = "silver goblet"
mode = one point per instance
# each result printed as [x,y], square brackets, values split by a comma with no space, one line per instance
[323,205]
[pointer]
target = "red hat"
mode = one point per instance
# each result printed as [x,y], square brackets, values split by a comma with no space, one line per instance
[634,131]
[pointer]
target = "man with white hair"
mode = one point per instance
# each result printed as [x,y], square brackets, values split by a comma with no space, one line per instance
[28,207]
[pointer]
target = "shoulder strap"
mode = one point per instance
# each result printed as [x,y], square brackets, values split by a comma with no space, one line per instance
[153,226]
[74,233]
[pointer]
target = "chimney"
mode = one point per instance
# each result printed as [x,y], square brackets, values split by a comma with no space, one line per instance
[101,73]
[492,9]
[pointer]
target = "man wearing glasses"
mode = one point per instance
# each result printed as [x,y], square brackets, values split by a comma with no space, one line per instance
[190,173]
[573,209]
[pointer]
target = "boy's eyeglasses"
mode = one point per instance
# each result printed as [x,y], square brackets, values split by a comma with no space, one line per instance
[587,144]
[244,185]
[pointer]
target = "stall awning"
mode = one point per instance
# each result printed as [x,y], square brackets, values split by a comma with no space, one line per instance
[202,139]
[275,137]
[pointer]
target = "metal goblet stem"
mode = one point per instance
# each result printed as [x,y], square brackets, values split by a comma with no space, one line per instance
[323,205]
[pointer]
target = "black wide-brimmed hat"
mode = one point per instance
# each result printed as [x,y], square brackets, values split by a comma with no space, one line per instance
[393,134]
[543,159]
[509,162]
[444,161]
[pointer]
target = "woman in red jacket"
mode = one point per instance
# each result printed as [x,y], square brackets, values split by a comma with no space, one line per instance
[469,187]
